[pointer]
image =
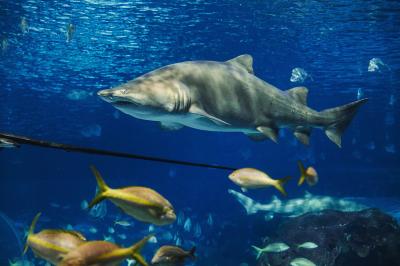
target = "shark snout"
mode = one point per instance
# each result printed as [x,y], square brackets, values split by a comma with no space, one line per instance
[107,95]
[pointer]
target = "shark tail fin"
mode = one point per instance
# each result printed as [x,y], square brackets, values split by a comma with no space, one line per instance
[30,232]
[136,248]
[279,184]
[101,185]
[302,173]
[339,119]
[259,251]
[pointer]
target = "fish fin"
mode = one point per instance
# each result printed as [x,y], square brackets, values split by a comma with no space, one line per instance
[299,94]
[339,119]
[137,247]
[302,173]
[270,132]
[259,251]
[101,185]
[256,136]
[279,184]
[243,189]
[198,111]
[303,136]
[170,126]
[243,61]
[139,260]
[30,232]
[191,252]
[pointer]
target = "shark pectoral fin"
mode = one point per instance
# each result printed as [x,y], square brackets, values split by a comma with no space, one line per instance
[170,126]
[198,111]
[243,61]
[256,136]
[270,132]
[243,189]
[299,94]
[303,136]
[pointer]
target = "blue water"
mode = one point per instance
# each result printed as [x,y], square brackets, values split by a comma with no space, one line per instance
[48,91]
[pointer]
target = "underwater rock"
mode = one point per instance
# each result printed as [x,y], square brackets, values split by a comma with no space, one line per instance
[367,237]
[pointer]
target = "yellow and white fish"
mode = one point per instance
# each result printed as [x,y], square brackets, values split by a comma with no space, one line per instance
[310,175]
[51,244]
[103,253]
[250,178]
[142,203]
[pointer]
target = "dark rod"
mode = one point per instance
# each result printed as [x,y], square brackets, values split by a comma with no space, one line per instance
[71,148]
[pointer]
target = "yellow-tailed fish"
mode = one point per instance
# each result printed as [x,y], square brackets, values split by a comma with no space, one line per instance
[172,256]
[103,253]
[310,175]
[142,203]
[52,244]
[250,178]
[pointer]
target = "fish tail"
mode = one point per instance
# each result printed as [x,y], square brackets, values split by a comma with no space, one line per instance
[259,251]
[101,185]
[339,118]
[302,173]
[191,252]
[279,184]
[136,248]
[30,232]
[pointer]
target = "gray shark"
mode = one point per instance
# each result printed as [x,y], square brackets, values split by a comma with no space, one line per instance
[298,206]
[227,97]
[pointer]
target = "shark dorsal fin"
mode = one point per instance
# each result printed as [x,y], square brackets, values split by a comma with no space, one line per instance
[244,61]
[299,94]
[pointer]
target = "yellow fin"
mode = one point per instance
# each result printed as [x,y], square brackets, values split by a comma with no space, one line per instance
[30,232]
[279,184]
[101,185]
[302,173]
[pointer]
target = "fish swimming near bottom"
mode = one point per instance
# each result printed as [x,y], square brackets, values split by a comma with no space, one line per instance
[226,97]
[103,253]
[172,256]
[302,262]
[142,203]
[250,178]
[297,206]
[52,244]
[273,247]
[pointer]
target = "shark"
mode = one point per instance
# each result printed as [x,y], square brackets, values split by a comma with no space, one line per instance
[297,206]
[225,97]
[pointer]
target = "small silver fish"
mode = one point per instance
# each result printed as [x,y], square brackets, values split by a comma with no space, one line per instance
[273,247]
[308,245]
[24,25]
[302,262]
[70,32]
[122,223]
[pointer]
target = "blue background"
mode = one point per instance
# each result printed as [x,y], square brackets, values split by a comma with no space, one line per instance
[117,41]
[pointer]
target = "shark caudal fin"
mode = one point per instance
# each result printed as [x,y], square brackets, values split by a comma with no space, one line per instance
[30,232]
[101,185]
[259,251]
[302,173]
[136,248]
[339,119]
[279,184]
